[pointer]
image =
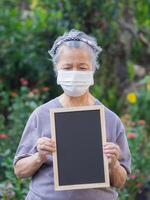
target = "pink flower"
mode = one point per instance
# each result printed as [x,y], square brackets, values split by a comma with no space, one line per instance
[141,122]
[131,135]
[133,124]
[3,136]
[45,89]
[24,82]
[132,177]
[35,91]
[139,185]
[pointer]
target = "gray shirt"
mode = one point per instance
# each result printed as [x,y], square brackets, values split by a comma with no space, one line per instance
[42,182]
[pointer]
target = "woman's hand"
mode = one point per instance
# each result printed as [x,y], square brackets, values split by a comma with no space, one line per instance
[112,151]
[118,174]
[28,166]
[45,146]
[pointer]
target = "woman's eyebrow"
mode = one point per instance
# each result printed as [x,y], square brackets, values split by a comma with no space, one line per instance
[80,64]
[67,64]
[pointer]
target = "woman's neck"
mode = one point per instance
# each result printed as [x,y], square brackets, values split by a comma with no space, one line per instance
[84,100]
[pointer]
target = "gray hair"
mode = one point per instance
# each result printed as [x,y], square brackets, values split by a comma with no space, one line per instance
[76,39]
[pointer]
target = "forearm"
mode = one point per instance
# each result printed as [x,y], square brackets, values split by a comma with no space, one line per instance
[118,175]
[27,166]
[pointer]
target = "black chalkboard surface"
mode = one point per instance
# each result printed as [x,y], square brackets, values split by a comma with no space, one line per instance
[79,161]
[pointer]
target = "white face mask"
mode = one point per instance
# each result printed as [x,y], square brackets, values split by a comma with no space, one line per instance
[75,83]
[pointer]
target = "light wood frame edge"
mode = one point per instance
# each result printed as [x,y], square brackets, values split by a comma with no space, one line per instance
[55,161]
[54,155]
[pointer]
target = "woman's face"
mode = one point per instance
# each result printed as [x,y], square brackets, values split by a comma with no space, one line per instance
[74,59]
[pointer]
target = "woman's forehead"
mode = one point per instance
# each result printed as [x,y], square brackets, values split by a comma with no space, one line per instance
[78,54]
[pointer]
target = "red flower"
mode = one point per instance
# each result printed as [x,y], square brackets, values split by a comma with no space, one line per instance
[35,91]
[139,185]
[3,136]
[141,122]
[13,94]
[24,82]
[45,89]
[132,177]
[131,135]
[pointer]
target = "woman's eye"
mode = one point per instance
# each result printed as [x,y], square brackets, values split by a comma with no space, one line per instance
[83,68]
[67,68]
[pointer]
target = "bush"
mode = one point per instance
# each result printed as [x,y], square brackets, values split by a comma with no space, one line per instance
[137,127]
[140,102]
[19,106]
[28,29]
[138,138]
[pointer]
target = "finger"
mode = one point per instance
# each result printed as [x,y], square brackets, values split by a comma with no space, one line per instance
[46,147]
[53,143]
[112,151]
[109,155]
[111,146]
[44,152]
[111,158]
[46,142]
[52,140]
[49,143]
[114,148]
[112,155]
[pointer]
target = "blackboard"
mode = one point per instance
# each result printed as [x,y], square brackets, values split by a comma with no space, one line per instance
[79,161]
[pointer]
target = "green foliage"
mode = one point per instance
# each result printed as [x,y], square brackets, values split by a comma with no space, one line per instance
[11,187]
[109,98]
[20,105]
[24,46]
[29,28]
[138,138]
[137,127]
[140,108]
[131,72]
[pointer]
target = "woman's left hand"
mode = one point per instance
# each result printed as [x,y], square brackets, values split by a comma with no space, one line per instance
[112,151]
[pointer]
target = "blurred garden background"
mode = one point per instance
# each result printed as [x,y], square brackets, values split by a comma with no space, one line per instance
[28,30]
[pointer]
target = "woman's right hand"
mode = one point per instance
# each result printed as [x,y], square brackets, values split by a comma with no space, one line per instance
[45,146]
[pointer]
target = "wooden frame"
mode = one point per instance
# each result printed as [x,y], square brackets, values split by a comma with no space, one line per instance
[106,183]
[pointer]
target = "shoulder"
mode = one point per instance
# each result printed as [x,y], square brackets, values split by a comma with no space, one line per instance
[114,125]
[46,107]
[42,111]
[111,116]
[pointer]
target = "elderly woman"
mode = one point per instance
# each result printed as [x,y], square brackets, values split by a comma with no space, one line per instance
[74,56]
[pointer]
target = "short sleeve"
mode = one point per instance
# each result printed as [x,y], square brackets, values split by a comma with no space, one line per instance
[27,145]
[125,157]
